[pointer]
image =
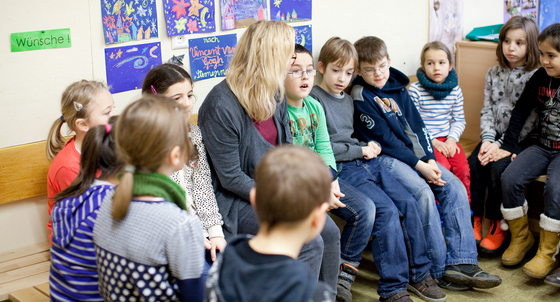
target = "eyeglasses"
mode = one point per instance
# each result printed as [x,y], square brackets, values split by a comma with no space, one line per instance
[299,73]
[381,69]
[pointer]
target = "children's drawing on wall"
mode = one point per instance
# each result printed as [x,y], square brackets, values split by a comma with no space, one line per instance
[189,16]
[290,10]
[549,13]
[446,22]
[303,36]
[128,20]
[127,66]
[524,8]
[242,13]
[209,57]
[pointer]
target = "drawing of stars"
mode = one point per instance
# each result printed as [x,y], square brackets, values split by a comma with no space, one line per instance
[192,25]
[277,3]
[141,11]
[119,53]
[180,24]
[180,8]
[112,55]
[144,49]
[195,7]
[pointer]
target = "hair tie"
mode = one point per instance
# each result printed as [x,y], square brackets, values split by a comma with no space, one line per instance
[62,119]
[107,128]
[78,106]
[130,169]
[153,89]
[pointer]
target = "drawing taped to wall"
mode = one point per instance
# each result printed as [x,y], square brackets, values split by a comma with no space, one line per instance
[209,57]
[128,20]
[549,13]
[524,8]
[446,22]
[189,16]
[242,13]
[290,10]
[304,37]
[127,66]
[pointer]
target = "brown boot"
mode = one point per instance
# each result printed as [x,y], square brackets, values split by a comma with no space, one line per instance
[521,238]
[545,260]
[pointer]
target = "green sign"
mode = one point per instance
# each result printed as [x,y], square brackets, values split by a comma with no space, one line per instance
[43,39]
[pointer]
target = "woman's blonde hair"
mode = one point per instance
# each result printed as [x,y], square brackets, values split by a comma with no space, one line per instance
[74,105]
[145,134]
[257,71]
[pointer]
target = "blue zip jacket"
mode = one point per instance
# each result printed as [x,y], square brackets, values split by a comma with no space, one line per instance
[389,117]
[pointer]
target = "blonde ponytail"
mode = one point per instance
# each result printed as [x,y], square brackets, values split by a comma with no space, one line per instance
[123,195]
[55,141]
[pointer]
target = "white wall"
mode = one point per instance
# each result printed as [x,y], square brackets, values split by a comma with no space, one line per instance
[32,82]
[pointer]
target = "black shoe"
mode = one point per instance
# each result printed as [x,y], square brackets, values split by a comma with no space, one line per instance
[345,279]
[442,283]
[471,275]
[403,296]
[553,279]
[427,290]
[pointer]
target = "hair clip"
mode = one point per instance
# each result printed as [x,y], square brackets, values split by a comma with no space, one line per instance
[78,106]
[107,128]
[153,89]
[130,169]
[62,119]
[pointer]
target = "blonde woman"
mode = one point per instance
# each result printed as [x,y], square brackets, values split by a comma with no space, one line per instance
[245,116]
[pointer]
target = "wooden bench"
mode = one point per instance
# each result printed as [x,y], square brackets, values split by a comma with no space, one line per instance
[38,293]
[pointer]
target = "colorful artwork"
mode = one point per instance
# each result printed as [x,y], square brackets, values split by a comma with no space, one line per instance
[524,8]
[209,57]
[127,66]
[303,36]
[549,13]
[189,16]
[242,13]
[128,20]
[290,10]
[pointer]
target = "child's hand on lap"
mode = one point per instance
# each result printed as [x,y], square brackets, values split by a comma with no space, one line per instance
[452,147]
[442,147]
[336,195]
[486,151]
[376,148]
[431,172]
[368,152]
[499,154]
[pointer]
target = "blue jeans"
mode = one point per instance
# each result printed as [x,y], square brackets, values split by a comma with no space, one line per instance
[454,209]
[528,165]
[397,231]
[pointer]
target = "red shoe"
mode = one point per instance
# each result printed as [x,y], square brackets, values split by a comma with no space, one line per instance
[477,227]
[494,239]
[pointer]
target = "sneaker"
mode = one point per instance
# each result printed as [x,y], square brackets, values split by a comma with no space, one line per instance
[403,296]
[442,283]
[553,279]
[345,279]
[427,290]
[477,227]
[471,275]
[494,239]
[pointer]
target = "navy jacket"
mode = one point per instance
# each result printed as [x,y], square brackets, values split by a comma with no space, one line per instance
[389,117]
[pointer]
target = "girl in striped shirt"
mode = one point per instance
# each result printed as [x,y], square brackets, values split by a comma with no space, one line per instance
[73,274]
[440,102]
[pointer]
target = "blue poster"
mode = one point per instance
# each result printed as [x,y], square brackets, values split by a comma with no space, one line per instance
[189,16]
[127,66]
[549,13]
[209,57]
[242,13]
[128,20]
[303,36]
[290,10]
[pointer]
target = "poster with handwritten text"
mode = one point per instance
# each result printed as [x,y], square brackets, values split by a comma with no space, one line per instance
[127,66]
[189,16]
[303,36]
[290,10]
[129,20]
[242,13]
[209,57]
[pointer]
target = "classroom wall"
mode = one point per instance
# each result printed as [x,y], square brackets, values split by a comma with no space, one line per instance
[32,82]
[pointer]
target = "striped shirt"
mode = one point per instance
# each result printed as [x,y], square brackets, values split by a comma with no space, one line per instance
[443,118]
[73,273]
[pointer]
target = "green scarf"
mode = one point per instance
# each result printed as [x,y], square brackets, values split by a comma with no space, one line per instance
[159,185]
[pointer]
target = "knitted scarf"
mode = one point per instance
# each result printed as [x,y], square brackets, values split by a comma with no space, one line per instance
[438,91]
[159,185]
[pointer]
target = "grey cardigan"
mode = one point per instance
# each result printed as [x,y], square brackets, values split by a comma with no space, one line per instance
[235,147]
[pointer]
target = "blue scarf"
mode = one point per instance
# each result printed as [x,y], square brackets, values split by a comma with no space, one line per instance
[438,91]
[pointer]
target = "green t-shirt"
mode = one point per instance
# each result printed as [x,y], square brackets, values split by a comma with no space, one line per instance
[308,126]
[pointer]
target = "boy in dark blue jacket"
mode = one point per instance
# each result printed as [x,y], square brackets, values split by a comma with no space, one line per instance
[384,112]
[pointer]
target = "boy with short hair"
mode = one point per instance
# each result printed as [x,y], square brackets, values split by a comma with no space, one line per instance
[385,112]
[291,198]
[399,247]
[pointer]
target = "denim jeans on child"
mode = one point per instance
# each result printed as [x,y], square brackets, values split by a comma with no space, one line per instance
[528,165]
[396,228]
[454,209]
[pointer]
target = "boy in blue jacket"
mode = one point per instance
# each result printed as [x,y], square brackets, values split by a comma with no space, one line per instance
[384,112]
